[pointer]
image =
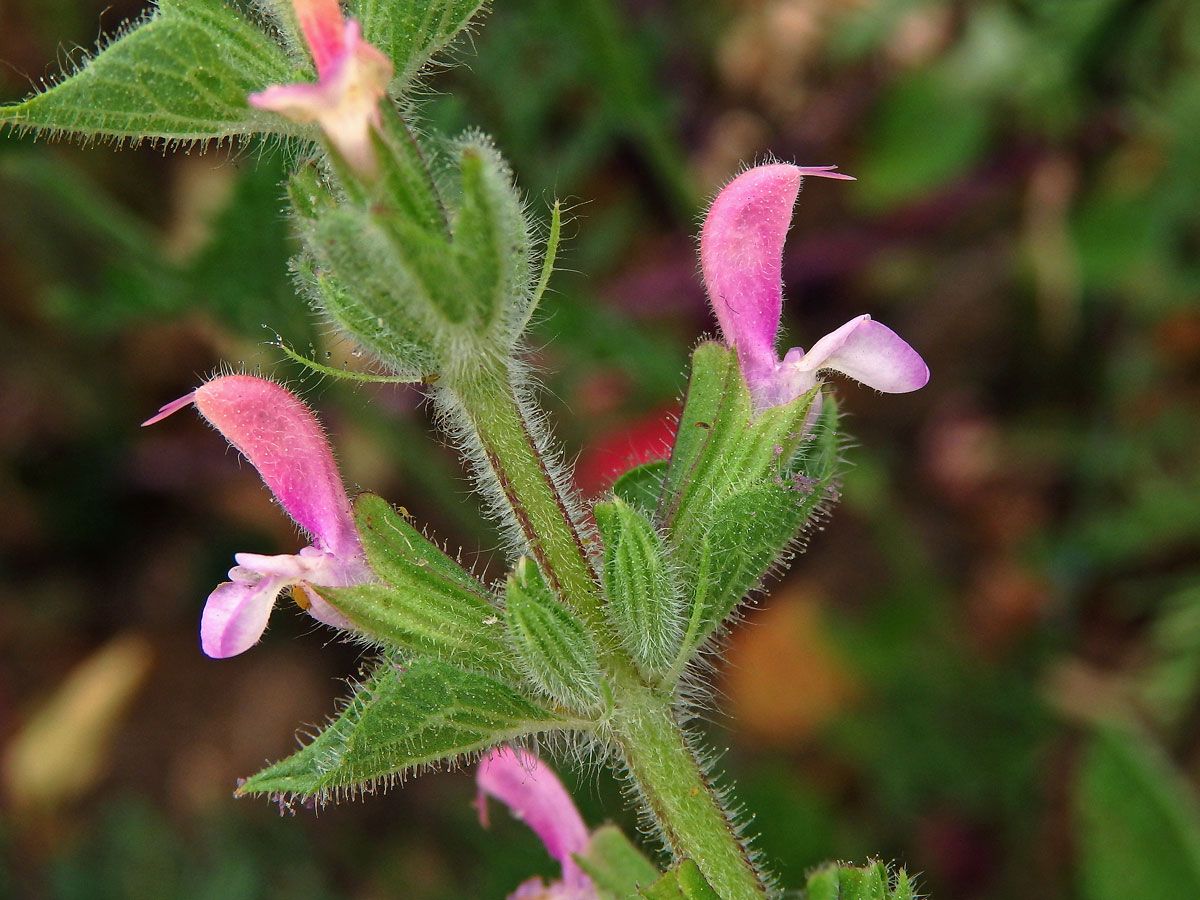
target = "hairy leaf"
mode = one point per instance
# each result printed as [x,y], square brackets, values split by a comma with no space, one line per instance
[412,32]
[400,720]
[181,75]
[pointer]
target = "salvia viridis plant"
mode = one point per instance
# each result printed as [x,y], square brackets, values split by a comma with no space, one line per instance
[420,249]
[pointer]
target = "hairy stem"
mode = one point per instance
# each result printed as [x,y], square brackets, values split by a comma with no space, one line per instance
[510,446]
[666,772]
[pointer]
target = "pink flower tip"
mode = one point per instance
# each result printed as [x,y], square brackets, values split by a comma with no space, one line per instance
[741,255]
[352,78]
[534,794]
[283,440]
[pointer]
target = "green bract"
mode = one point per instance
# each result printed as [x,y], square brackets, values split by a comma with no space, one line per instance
[645,599]
[558,654]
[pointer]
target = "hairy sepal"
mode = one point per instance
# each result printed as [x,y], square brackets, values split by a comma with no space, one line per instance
[181,75]
[370,291]
[617,868]
[874,881]
[742,485]
[402,720]
[553,648]
[433,279]
[683,882]
[644,599]
[492,237]
[426,603]
[642,486]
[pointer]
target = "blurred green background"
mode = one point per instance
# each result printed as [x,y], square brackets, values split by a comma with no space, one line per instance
[986,667]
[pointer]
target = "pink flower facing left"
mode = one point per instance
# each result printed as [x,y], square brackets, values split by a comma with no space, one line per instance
[283,440]
[535,796]
[352,77]
[741,254]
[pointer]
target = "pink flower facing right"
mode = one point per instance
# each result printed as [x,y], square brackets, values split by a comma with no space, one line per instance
[741,254]
[535,796]
[283,440]
[352,78]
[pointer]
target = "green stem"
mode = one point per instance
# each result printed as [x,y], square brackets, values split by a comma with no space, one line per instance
[660,759]
[489,401]
[671,780]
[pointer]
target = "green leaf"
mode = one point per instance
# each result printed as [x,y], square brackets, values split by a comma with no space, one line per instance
[617,868]
[1138,822]
[400,720]
[552,646]
[684,882]
[430,605]
[642,486]
[181,75]
[411,32]
[874,881]
[644,597]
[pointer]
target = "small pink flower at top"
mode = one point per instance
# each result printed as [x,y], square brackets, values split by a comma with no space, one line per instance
[741,254]
[283,440]
[535,796]
[352,78]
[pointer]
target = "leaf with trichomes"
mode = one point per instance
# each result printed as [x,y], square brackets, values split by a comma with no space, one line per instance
[400,720]
[181,75]
[426,603]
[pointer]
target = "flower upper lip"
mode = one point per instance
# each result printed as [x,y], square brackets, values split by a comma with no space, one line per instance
[741,254]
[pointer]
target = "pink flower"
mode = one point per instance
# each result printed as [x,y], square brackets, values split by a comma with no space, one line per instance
[283,440]
[352,77]
[741,253]
[535,796]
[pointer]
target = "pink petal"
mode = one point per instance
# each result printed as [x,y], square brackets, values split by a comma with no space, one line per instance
[741,254]
[321,24]
[344,101]
[281,438]
[862,349]
[535,796]
[304,102]
[236,615]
